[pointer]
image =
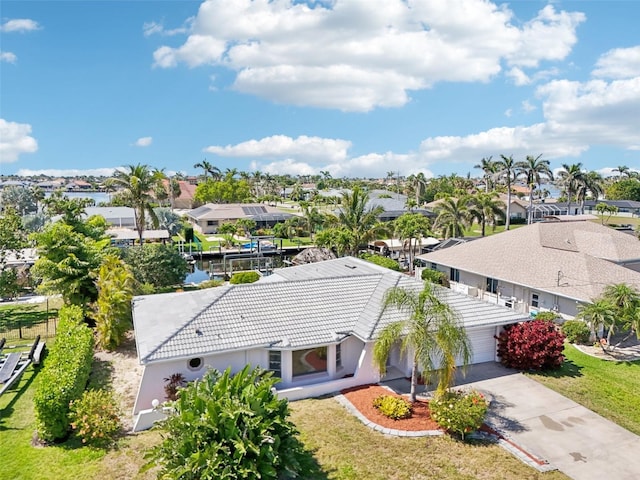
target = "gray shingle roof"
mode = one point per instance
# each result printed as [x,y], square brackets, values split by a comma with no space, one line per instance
[299,307]
[571,259]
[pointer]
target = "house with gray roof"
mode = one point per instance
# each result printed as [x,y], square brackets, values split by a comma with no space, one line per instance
[552,265]
[207,218]
[313,325]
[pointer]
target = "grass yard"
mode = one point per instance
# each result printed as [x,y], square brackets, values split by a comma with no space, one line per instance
[608,388]
[26,320]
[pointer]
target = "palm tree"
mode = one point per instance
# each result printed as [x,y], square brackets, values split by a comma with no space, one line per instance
[359,218]
[534,170]
[410,226]
[508,171]
[431,333]
[453,216]
[138,185]
[599,315]
[622,170]
[486,208]
[488,166]
[569,179]
[419,184]
[206,166]
[592,183]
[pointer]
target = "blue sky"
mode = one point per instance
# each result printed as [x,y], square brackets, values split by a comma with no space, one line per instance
[300,87]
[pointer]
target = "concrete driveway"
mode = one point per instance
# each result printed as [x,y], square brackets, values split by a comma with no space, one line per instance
[547,425]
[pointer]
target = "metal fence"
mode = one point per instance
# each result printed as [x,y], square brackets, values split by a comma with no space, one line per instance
[19,329]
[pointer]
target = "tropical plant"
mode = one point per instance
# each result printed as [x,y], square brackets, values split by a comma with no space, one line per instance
[435,276]
[209,169]
[95,418]
[168,220]
[625,189]
[156,264]
[592,184]
[229,426]
[410,228]
[386,262]
[13,237]
[172,384]
[576,331]
[392,407]
[112,312]
[453,216]
[570,178]
[622,170]
[531,345]
[508,171]
[600,315]
[359,218]
[486,208]
[19,198]
[226,190]
[459,412]
[605,209]
[534,170]
[244,277]
[431,332]
[489,168]
[137,184]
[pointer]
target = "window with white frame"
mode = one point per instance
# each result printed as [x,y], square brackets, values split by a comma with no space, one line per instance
[454,275]
[492,285]
[535,300]
[310,360]
[339,356]
[275,362]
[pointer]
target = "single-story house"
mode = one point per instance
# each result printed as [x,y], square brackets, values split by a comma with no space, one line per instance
[125,237]
[313,325]
[119,217]
[552,265]
[207,218]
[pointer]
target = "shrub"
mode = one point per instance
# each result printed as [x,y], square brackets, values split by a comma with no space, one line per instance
[226,426]
[172,384]
[459,412]
[533,345]
[576,331]
[244,277]
[210,284]
[382,261]
[392,407]
[435,276]
[95,418]
[547,316]
[64,376]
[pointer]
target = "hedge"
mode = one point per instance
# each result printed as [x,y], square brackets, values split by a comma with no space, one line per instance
[64,376]
[244,277]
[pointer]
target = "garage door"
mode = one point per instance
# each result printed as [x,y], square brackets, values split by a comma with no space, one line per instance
[483,343]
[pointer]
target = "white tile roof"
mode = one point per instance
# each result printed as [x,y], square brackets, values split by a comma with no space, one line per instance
[302,307]
[571,259]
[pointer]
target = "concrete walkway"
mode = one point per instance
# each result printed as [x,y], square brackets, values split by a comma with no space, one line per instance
[551,427]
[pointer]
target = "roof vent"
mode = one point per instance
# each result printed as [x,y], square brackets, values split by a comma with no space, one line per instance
[198,332]
[350,266]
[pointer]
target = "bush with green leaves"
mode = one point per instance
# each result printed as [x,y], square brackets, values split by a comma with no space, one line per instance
[244,277]
[547,316]
[395,408]
[95,418]
[576,331]
[228,426]
[386,262]
[435,276]
[65,374]
[459,412]
[157,264]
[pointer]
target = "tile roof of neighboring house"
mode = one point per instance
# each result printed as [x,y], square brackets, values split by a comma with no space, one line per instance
[223,211]
[572,259]
[299,307]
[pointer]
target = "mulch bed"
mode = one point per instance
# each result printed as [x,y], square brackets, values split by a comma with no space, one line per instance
[362,398]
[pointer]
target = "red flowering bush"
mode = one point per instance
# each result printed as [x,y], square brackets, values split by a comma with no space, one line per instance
[533,345]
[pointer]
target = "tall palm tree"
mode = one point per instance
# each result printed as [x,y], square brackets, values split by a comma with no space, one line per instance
[622,170]
[453,216]
[534,170]
[358,217]
[599,315]
[488,166]
[138,183]
[486,208]
[206,166]
[592,183]
[569,179]
[409,227]
[431,333]
[508,171]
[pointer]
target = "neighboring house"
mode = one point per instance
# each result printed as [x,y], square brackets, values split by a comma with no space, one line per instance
[627,208]
[185,200]
[393,204]
[126,237]
[207,218]
[78,185]
[518,207]
[313,325]
[553,265]
[118,217]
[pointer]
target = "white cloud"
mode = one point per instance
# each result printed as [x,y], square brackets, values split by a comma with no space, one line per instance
[15,140]
[619,63]
[70,172]
[143,142]
[519,77]
[528,107]
[8,57]
[155,28]
[19,25]
[310,149]
[369,57]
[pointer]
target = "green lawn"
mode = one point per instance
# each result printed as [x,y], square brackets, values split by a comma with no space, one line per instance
[610,389]
[29,319]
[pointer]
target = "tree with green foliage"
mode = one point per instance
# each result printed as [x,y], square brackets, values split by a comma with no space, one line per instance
[137,184]
[486,208]
[599,315]
[227,190]
[18,198]
[339,240]
[244,277]
[226,427]
[435,276]
[606,209]
[168,220]
[453,216]
[591,185]
[431,334]
[112,311]
[9,284]
[156,264]
[570,178]
[625,189]
[209,169]
[13,237]
[69,255]
[508,171]
[489,168]
[411,228]
[534,170]
[385,262]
